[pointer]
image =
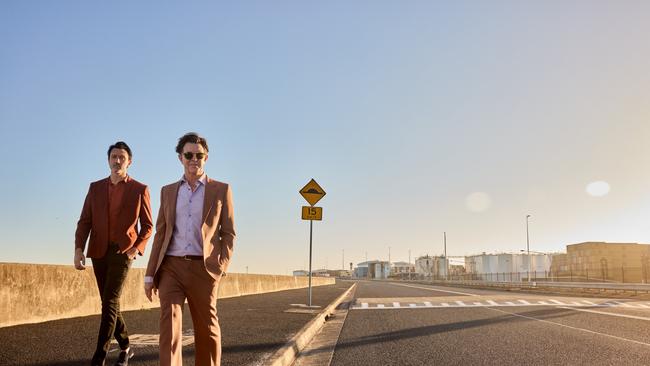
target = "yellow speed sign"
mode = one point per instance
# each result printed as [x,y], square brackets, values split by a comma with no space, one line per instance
[312,213]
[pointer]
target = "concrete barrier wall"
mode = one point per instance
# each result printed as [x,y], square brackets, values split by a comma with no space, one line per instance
[32,293]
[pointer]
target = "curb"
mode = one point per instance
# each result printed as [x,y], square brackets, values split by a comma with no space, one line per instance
[286,355]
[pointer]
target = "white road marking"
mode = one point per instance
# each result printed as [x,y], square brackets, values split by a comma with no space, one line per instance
[376,304]
[623,304]
[574,328]
[606,313]
[142,340]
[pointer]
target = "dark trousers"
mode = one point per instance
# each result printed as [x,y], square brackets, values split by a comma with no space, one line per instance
[110,272]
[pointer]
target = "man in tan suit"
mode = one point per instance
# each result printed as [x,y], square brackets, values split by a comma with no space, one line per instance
[192,247]
[110,216]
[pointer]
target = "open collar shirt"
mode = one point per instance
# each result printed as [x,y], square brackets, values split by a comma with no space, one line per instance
[187,238]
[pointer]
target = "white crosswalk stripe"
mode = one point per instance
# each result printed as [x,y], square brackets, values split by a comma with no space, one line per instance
[374,304]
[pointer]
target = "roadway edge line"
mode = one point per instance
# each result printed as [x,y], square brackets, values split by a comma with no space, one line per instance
[287,354]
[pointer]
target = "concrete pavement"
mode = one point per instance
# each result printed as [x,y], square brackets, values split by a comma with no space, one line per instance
[253,328]
[479,327]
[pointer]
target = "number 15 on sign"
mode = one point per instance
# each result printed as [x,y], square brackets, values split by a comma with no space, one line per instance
[312,213]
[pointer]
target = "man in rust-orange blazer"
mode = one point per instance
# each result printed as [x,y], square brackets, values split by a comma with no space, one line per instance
[111,212]
[94,219]
[191,251]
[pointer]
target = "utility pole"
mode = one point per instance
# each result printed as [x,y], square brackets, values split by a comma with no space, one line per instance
[445,254]
[343,260]
[409,264]
[528,246]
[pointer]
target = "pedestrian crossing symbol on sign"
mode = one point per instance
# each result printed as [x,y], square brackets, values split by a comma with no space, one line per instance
[312,192]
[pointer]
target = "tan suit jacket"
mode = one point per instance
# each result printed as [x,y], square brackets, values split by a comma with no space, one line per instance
[93,220]
[218,228]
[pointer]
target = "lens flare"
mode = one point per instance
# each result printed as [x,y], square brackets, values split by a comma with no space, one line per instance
[597,189]
[478,201]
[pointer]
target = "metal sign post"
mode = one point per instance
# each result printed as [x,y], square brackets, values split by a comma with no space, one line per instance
[312,193]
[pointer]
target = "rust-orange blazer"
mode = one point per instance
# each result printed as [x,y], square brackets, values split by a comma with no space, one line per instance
[94,218]
[218,228]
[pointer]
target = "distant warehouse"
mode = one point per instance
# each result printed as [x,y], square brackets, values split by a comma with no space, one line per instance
[600,261]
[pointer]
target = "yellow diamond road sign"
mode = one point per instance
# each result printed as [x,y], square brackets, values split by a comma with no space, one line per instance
[312,192]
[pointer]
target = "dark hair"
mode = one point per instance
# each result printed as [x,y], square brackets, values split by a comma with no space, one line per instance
[193,138]
[120,145]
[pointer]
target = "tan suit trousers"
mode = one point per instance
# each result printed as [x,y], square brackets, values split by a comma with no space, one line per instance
[181,279]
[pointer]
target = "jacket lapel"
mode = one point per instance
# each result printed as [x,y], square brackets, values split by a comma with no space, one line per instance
[103,194]
[172,198]
[209,199]
[127,194]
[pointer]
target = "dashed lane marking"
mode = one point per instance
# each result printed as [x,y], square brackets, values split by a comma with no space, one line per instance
[374,304]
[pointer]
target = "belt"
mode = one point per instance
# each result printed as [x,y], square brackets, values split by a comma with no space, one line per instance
[187,257]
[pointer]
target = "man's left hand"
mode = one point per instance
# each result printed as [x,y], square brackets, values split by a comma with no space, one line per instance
[132,253]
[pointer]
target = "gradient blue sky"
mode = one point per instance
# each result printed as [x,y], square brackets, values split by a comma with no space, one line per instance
[400,110]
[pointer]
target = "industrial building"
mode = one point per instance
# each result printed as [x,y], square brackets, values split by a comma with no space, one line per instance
[372,270]
[601,261]
[432,267]
[402,268]
[507,266]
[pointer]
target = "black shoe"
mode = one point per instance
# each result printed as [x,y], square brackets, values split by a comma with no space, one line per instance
[125,355]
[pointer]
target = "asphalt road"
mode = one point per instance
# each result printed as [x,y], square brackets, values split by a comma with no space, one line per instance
[252,328]
[400,324]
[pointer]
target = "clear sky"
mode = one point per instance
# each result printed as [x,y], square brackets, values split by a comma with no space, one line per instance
[416,117]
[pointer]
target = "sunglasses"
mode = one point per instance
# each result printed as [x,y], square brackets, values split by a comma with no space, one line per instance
[189,155]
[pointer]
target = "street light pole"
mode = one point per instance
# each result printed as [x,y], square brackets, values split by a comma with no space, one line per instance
[409,264]
[528,246]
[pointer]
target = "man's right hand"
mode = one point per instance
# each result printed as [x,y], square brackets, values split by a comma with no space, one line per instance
[149,290]
[79,259]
